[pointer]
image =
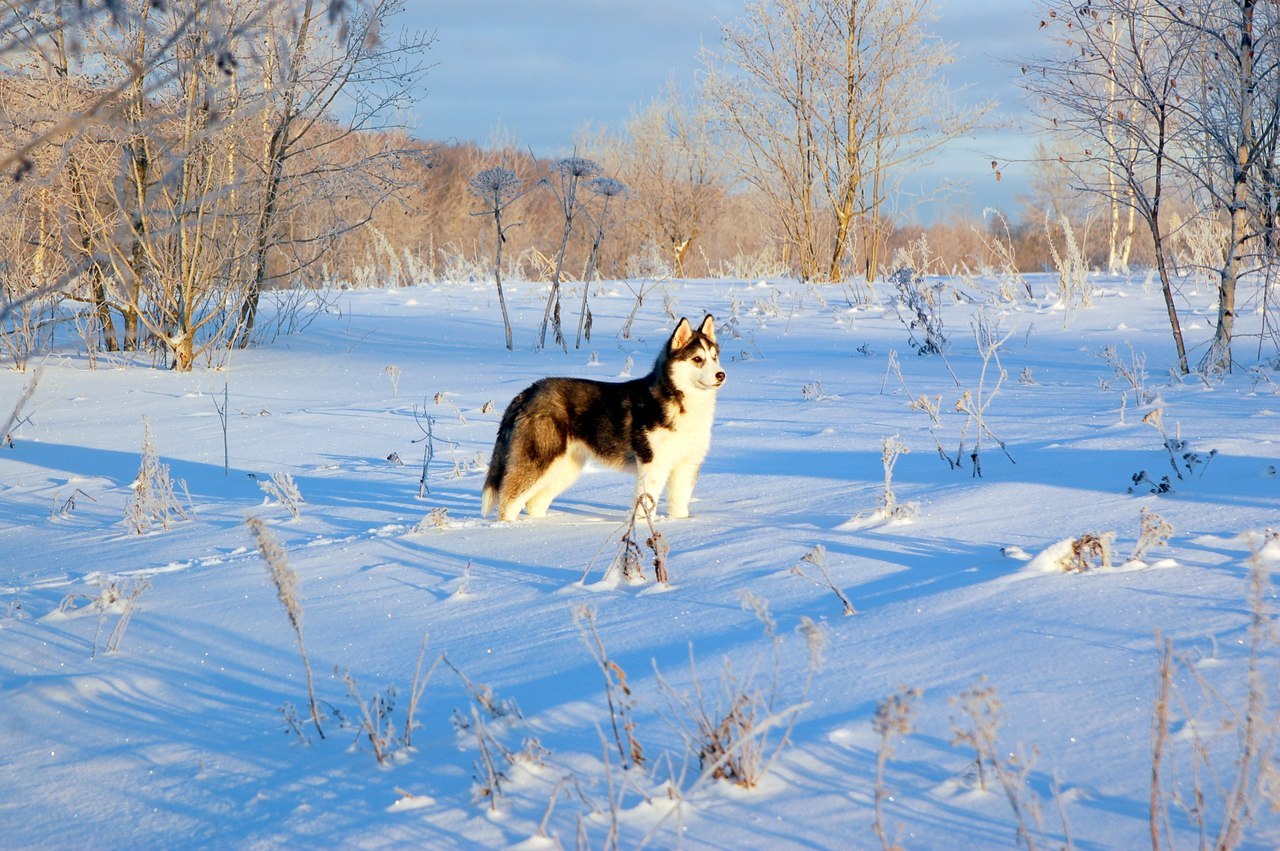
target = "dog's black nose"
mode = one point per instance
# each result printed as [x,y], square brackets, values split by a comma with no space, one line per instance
[719,376]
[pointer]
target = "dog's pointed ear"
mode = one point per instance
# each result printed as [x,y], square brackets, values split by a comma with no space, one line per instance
[682,335]
[708,327]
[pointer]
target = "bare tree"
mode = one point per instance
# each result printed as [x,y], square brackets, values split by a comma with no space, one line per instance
[305,69]
[1113,92]
[1234,112]
[679,179]
[181,261]
[1174,98]
[830,100]
[173,214]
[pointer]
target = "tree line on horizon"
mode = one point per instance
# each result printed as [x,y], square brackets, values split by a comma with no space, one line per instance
[168,163]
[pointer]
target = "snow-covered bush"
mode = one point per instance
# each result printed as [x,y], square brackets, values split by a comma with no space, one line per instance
[154,500]
[284,490]
[1074,286]
[919,310]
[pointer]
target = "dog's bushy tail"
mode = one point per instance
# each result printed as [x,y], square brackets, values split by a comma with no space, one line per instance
[493,479]
[498,462]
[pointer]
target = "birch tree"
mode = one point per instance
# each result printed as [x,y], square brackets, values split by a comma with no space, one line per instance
[1112,94]
[1234,111]
[1175,99]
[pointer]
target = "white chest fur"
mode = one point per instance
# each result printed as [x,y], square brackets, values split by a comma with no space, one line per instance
[690,436]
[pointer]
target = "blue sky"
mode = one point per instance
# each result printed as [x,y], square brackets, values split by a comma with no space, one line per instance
[538,71]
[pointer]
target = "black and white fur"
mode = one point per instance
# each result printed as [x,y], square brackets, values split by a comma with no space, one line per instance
[659,426]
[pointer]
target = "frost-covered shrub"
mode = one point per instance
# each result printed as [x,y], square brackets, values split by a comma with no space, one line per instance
[738,734]
[918,308]
[154,500]
[284,490]
[1074,287]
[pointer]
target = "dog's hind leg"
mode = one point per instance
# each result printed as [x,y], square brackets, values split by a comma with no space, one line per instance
[559,475]
[519,486]
[535,462]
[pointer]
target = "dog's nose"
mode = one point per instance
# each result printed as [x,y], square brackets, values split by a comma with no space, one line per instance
[720,376]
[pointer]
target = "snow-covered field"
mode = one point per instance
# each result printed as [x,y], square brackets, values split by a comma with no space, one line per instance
[176,737]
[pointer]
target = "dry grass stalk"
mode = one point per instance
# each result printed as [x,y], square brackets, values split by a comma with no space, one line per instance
[818,558]
[629,558]
[126,603]
[732,737]
[890,450]
[932,407]
[375,719]
[975,404]
[889,509]
[1257,723]
[1154,531]
[1088,552]
[617,693]
[442,399]
[919,309]
[983,716]
[436,519]
[15,418]
[420,681]
[1252,724]
[484,696]
[488,773]
[286,581]
[1003,254]
[563,783]
[1158,813]
[1074,288]
[1155,419]
[893,719]
[114,595]
[1133,372]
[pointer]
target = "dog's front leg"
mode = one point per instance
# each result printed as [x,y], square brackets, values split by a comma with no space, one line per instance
[649,481]
[680,488]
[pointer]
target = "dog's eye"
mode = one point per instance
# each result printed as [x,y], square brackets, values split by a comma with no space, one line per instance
[698,359]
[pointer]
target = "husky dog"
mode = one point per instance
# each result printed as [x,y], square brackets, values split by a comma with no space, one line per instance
[659,426]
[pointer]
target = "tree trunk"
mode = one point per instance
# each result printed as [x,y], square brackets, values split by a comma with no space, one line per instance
[844,230]
[98,290]
[681,250]
[182,347]
[102,311]
[140,175]
[1218,358]
[278,150]
[1166,287]
[131,339]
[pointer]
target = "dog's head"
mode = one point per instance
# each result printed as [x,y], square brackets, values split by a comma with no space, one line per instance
[692,357]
